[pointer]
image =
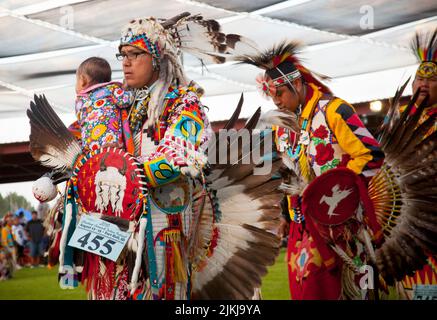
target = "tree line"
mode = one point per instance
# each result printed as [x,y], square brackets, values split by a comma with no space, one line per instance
[13,202]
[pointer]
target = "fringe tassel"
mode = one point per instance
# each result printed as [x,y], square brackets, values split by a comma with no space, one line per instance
[105,284]
[63,241]
[177,268]
[172,236]
[180,273]
[304,166]
[139,254]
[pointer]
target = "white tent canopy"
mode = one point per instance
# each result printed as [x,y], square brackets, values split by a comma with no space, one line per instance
[363,45]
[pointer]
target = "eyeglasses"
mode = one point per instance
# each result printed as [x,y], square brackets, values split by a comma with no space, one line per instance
[130,55]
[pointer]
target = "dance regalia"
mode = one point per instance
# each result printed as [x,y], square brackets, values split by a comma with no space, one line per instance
[368,234]
[428,274]
[330,156]
[197,229]
[420,284]
[166,198]
[177,140]
[335,138]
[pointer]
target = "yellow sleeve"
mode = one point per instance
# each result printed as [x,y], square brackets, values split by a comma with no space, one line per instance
[354,138]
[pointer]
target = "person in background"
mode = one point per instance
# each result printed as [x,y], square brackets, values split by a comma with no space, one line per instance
[7,238]
[35,234]
[20,240]
[425,80]
[6,268]
[330,138]
[22,219]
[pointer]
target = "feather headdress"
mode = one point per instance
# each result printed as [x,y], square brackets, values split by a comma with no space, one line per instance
[166,39]
[283,57]
[424,46]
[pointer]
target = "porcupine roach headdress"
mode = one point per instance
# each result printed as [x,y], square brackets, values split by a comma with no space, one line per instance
[165,39]
[424,46]
[282,67]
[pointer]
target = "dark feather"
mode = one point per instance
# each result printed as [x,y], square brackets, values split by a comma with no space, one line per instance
[264,60]
[425,42]
[251,124]
[205,40]
[50,141]
[410,163]
[234,118]
[392,114]
[239,261]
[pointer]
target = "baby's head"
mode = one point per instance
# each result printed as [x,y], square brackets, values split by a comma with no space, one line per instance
[92,71]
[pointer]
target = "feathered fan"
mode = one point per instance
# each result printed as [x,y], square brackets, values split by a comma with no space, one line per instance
[205,40]
[50,141]
[404,191]
[235,241]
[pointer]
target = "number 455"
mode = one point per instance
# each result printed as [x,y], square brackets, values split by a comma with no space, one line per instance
[95,243]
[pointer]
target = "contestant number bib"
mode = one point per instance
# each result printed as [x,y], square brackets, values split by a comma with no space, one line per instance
[425,292]
[99,237]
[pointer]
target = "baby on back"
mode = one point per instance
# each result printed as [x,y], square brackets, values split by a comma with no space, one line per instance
[101,106]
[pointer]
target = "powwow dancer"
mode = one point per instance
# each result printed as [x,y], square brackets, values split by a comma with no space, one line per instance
[190,235]
[330,224]
[401,194]
[424,46]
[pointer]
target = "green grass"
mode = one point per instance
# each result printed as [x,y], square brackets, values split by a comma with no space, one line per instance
[275,283]
[37,284]
[41,284]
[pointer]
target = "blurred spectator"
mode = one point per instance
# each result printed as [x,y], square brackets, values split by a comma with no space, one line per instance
[22,219]
[20,240]
[35,234]
[7,238]
[6,266]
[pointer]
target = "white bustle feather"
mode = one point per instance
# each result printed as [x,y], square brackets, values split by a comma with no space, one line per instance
[198,38]
[229,191]
[60,159]
[215,264]
[295,188]
[231,239]
[279,118]
[222,255]
[232,233]
[245,46]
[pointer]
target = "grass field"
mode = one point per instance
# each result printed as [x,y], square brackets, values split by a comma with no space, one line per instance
[41,284]
[37,284]
[275,283]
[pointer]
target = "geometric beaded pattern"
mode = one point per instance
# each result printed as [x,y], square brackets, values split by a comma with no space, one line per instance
[144,42]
